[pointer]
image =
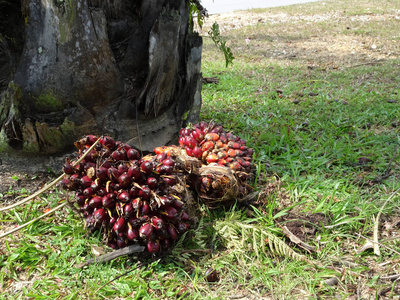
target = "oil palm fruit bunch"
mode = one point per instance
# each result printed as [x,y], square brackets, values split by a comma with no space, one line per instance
[132,199]
[227,161]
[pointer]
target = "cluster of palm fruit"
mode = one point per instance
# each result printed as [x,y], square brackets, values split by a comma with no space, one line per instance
[215,147]
[133,199]
[146,200]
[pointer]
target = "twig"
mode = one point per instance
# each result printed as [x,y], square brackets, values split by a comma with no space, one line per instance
[112,255]
[51,184]
[360,235]
[30,222]
[364,64]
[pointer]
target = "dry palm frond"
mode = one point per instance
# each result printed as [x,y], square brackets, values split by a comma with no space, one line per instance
[240,237]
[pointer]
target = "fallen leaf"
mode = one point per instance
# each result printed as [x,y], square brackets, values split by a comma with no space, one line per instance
[97,251]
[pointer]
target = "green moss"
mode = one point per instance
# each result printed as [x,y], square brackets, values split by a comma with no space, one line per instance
[48,103]
[4,146]
[52,139]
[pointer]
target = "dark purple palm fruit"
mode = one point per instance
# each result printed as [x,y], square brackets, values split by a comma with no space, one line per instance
[124,180]
[128,210]
[146,231]
[121,242]
[101,192]
[165,244]
[123,196]
[112,244]
[80,199]
[153,246]
[118,155]
[123,168]
[96,185]
[152,183]
[145,193]
[184,216]
[169,180]
[132,154]
[131,233]
[88,192]
[134,192]
[68,168]
[86,181]
[136,204]
[173,234]
[113,220]
[108,200]
[113,174]
[100,215]
[183,227]
[144,209]
[146,167]
[178,204]
[119,225]
[134,172]
[161,156]
[102,173]
[170,212]
[96,202]
[88,208]
[107,142]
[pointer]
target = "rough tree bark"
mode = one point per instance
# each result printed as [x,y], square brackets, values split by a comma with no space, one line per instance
[126,68]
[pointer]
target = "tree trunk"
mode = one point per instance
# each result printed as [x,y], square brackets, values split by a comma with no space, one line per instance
[130,69]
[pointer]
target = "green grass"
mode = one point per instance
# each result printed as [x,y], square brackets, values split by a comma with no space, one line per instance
[310,147]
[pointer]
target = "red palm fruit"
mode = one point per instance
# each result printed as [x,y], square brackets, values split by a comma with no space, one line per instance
[145,193]
[134,172]
[223,139]
[132,233]
[124,180]
[221,162]
[158,150]
[211,136]
[217,129]
[160,157]
[244,148]
[181,141]
[146,231]
[87,192]
[85,181]
[189,151]
[211,158]
[235,166]
[169,162]
[229,159]
[241,161]
[182,132]
[219,144]
[153,246]
[144,209]
[190,142]
[101,173]
[107,142]
[206,182]
[222,154]
[239,152]
[172,232]
[124,197]
[91,156]
[136,204]
[100,215]
[68,168]
[108,200]
[183,227]
[197,135]
[184,216]
[186,132]
[197,152]
[121,242]
[134,192]
[158,223]
[165,200]
[170,212]
[119,225]
[146,167]
[152,183]
[125,147]
[132,154]
[170,180]
[96,202]
[207,146]
[232,152]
